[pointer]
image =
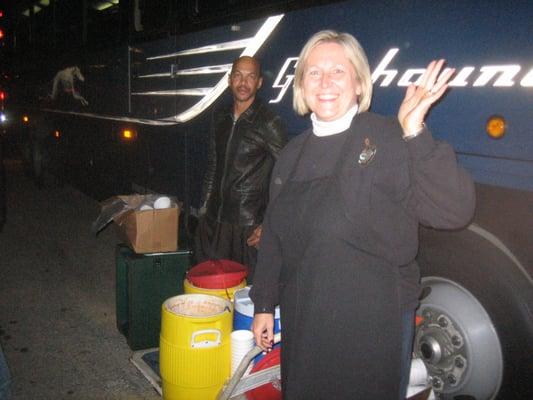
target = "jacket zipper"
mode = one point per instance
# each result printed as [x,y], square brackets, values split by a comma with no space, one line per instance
[222,181]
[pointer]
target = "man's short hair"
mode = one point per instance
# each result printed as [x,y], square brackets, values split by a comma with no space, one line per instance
[354,52]
[253,59]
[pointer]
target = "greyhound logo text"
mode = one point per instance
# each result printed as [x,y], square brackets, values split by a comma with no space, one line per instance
[384,75]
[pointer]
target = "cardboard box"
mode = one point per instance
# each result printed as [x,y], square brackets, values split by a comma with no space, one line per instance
[144,228]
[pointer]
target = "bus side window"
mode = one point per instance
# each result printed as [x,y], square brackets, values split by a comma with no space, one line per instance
[106,23]
[152,15]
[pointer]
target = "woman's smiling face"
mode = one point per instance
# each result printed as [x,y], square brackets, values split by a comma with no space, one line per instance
[330,84]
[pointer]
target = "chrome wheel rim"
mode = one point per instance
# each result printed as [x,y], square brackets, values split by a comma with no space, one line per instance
[458,342]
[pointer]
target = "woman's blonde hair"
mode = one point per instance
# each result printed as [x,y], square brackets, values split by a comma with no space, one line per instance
[354,52]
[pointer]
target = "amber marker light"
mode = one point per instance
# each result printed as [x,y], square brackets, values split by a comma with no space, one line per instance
[57,134]
[496,126]
[25,119]
[128,135]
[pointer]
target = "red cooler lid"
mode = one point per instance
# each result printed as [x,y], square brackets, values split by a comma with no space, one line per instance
[268,391]
[217,274]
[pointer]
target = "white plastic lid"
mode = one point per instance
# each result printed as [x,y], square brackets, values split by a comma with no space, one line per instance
[244,305]
[162,202]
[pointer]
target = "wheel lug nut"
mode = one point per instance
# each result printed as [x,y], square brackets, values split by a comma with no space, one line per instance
[452,380]
[459,363]
[436,383]
[456,340]
[443,322]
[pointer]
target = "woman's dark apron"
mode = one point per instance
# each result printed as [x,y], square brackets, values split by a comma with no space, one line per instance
[339,300]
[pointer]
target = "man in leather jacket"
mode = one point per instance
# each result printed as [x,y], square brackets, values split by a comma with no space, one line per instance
[244,145]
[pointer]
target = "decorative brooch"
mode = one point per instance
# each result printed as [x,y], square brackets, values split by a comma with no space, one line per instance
[368,153]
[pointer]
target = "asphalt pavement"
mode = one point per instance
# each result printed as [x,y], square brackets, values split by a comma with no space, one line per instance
[57,299]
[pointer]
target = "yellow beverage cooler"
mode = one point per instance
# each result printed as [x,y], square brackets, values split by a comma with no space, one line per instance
[195,346]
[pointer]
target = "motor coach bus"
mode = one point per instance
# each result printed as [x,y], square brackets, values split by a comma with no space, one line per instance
[120,100]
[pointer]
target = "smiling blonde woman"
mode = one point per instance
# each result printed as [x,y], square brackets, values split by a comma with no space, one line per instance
[340,234]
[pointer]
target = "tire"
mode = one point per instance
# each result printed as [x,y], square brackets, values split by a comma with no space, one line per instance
[42,168]
[474,291]
[37,164]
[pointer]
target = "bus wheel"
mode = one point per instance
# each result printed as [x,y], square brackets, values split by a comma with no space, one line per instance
[41,167]
[37,164]
[456,337]
[476,304]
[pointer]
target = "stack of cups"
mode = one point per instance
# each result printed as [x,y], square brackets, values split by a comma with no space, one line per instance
[242,341]
[418,378]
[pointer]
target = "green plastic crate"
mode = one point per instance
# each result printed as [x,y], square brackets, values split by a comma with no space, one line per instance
[143,283]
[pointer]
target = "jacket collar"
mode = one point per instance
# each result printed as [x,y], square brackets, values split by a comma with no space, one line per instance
[251,112]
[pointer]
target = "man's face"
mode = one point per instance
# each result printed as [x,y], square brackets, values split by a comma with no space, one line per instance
[244,80]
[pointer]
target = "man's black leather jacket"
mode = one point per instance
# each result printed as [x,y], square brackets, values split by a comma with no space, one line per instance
[241,156]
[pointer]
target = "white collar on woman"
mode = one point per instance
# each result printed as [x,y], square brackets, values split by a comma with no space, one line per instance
[328,128]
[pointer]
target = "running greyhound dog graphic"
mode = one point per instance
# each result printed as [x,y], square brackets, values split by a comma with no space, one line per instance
[65,79]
